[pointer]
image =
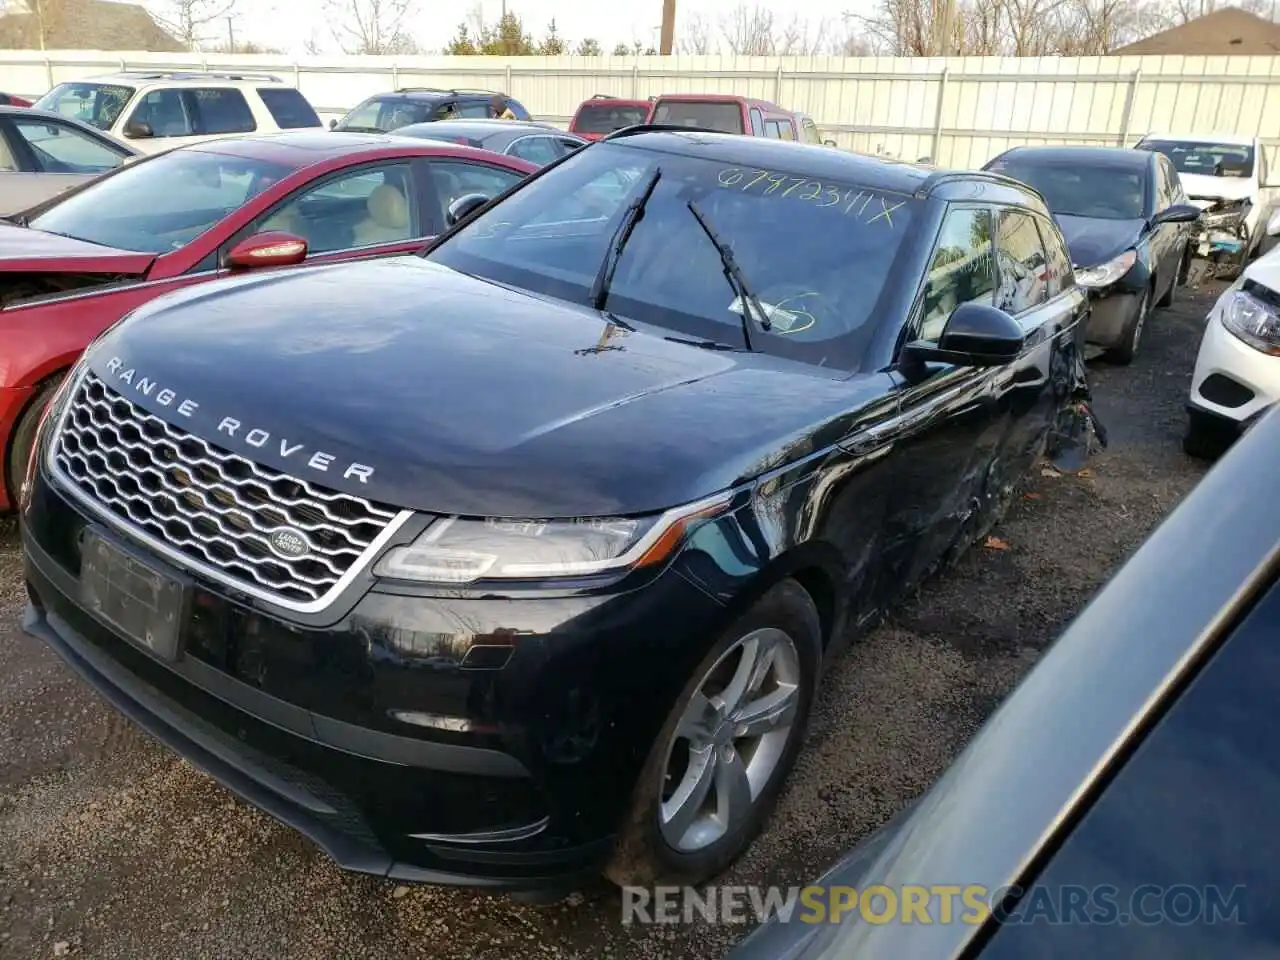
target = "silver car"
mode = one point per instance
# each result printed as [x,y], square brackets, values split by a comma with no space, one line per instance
[539,143]
[42,154]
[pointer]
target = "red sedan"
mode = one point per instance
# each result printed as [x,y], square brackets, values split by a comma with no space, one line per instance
[74,265]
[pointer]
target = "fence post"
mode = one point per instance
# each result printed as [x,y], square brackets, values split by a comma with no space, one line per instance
[395,76]
[507,81]
[48,72]
[297,75]
[1127,118]
[937,117]
[635,82]
[777,86]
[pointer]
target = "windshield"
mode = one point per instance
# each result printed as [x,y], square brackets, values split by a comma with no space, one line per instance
[97,104]
[1070,190]
[1206,159]
[722,115]
[384,115]
[815,253]
[608,117]
[160,204]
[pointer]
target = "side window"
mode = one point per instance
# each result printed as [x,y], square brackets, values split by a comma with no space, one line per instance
[568,146]
[8,162]
[771,129]
[757,123]
[165,112]
[785,130]
[1059,276]
[810,132]
[1020,263]
[960,271]
[358,208]
[516,107]
[222,110]
[59,148]
[1164,194]
[289,108]
[539,150]
[365,116]
[455,178]
[1176,190]
[477,109]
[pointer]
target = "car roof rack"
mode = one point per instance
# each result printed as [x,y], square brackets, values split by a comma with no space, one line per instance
[603,96]
[450,90]
[637,128]
[197,75]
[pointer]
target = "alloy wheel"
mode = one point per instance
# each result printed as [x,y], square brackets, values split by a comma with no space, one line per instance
[730,739]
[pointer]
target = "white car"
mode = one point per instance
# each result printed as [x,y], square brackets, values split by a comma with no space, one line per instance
[1237,376]
[1227,177]
[156,111]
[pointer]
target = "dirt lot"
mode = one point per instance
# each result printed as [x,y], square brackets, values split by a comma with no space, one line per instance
[112,848]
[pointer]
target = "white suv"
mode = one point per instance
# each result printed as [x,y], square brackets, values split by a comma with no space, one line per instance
[154,111]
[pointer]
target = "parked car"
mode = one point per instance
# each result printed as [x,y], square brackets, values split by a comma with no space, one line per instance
[1237,373]
[708,452]
[385,112]
[725,113]
[1119,803]
[155,110]
[75,265]
[1228,178]
[539,143]
[42,154]
[13,100]
[1128,223]
[603,114]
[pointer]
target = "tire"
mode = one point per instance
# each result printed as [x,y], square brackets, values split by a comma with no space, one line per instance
[1205,438]
[24,438]
[663,841]
[1124,352]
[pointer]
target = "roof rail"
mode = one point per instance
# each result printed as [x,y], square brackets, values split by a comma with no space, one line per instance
[636,128]
[474,90]
[939,177]
[603,96]
[197,75]
[450,90]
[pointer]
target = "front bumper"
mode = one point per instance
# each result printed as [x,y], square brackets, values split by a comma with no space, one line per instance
[13,400]
[307,723]
[1232,381]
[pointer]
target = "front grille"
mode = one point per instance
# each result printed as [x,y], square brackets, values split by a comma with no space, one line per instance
[212,506]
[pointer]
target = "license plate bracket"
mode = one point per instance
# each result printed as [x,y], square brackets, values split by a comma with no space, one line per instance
[144,605]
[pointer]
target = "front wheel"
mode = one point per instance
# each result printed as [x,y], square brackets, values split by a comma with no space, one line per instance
[1124,352]
[24,438]
[726,748]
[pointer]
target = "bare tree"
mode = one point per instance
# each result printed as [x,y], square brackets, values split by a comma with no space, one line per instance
[194,22]
[372,26]
[798,38]
[749,31]
[693,36]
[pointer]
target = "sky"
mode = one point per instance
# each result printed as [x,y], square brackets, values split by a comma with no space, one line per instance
[288,24]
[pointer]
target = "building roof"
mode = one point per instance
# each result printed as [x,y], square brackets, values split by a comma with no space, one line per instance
[1225,32]
[85,25]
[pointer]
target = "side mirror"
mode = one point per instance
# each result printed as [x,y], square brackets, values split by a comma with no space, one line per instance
[464,206]
[1273,225]
[137,130]
[273,248]
[829,143]
[976,335]
[1178,213]
[333,124]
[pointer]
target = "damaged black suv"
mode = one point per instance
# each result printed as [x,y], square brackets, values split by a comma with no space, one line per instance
[519,560]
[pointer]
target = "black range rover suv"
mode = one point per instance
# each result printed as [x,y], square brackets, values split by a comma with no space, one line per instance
[520,559]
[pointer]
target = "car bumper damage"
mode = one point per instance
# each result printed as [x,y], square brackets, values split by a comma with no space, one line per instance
[1077,433]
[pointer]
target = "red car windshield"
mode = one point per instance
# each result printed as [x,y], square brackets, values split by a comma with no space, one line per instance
[161,204]
[722,115]
[606,117]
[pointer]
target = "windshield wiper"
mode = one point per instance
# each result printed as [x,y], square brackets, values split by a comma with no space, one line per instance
[703,344]
[734,275]
[599,295]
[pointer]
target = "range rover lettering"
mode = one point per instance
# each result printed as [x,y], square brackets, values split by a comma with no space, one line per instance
[608,473]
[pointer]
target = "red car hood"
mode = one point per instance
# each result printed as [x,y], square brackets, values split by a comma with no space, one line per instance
[25,250]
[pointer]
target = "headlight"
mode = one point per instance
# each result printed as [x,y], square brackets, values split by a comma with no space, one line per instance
[1254,321]
[454,550]
[1105,274]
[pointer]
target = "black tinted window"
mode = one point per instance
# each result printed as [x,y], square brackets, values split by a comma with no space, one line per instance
[960,270]
[1206,159]
[1020,263]
[606,117]
[539,150]
[223,110]
[815,253]
[1183,843]
[288,108]
[719,115]
[1075,190]
[1058,273]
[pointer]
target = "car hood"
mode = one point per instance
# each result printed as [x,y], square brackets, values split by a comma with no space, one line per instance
[466,397]
[1202,190]
[26,250]
[1093,241]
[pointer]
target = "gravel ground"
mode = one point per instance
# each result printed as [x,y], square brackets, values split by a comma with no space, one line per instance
[110,847]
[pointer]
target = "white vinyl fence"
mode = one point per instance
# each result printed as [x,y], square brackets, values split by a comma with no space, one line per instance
[959,111]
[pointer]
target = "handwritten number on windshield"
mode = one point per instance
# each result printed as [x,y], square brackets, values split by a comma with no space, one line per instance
[863,204]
